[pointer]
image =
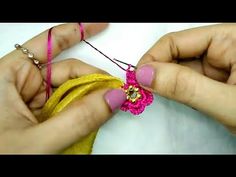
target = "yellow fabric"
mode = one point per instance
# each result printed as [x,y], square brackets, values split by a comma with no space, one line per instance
[73,90]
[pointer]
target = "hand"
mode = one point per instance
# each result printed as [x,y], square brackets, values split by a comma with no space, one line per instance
[196,67]
[22,96]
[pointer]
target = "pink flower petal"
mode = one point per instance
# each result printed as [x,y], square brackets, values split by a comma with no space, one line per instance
[146,97]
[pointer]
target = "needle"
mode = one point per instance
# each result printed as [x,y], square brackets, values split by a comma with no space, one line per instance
[125,63]
[112,60]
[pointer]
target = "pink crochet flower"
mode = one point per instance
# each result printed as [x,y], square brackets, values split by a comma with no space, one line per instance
[137,97]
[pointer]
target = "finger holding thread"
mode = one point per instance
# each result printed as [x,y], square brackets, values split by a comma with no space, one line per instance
[63,37]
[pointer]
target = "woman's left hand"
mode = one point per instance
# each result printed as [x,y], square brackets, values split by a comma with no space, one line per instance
[22,96]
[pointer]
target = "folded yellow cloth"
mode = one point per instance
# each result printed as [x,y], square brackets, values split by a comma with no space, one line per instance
[75,89]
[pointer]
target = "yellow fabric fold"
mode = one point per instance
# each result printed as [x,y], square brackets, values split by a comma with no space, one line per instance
[75,89]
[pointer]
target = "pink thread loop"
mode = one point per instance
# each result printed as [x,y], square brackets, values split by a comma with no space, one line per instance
[81,28]
[49,61]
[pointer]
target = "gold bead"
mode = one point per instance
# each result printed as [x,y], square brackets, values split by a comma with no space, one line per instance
[31,56]
[36,62]
[24,50]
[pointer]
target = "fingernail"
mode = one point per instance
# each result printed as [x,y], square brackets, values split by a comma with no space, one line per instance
[145,75]
[115,98]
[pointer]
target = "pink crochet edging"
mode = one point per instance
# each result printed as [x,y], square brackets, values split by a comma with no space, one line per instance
[140,104]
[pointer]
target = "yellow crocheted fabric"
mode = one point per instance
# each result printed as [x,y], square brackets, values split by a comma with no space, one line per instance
[73,90]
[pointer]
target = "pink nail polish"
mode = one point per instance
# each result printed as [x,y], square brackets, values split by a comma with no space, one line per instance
[115,98]
[145,75]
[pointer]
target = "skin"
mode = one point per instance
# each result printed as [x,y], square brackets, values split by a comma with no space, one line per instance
[22,96]
[197,67]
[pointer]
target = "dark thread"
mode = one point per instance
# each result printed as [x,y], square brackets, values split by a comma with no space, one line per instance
[112,60]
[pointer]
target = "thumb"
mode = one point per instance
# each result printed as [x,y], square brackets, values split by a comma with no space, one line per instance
[76,121]
[182,84]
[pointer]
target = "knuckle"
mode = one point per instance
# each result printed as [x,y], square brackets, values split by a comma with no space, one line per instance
[169,41]
[168,37]
[86,116]
[61,38]
[72,61]
[75,64]
[146,58]
[182,87]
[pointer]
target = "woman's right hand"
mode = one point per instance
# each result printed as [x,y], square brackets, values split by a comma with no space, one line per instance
[196,67]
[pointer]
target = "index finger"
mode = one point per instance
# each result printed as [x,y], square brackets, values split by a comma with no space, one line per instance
[184,44]
[63,37]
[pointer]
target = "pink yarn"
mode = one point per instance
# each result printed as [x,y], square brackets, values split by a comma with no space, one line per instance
[49,63]
[81,28]
[146,97]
